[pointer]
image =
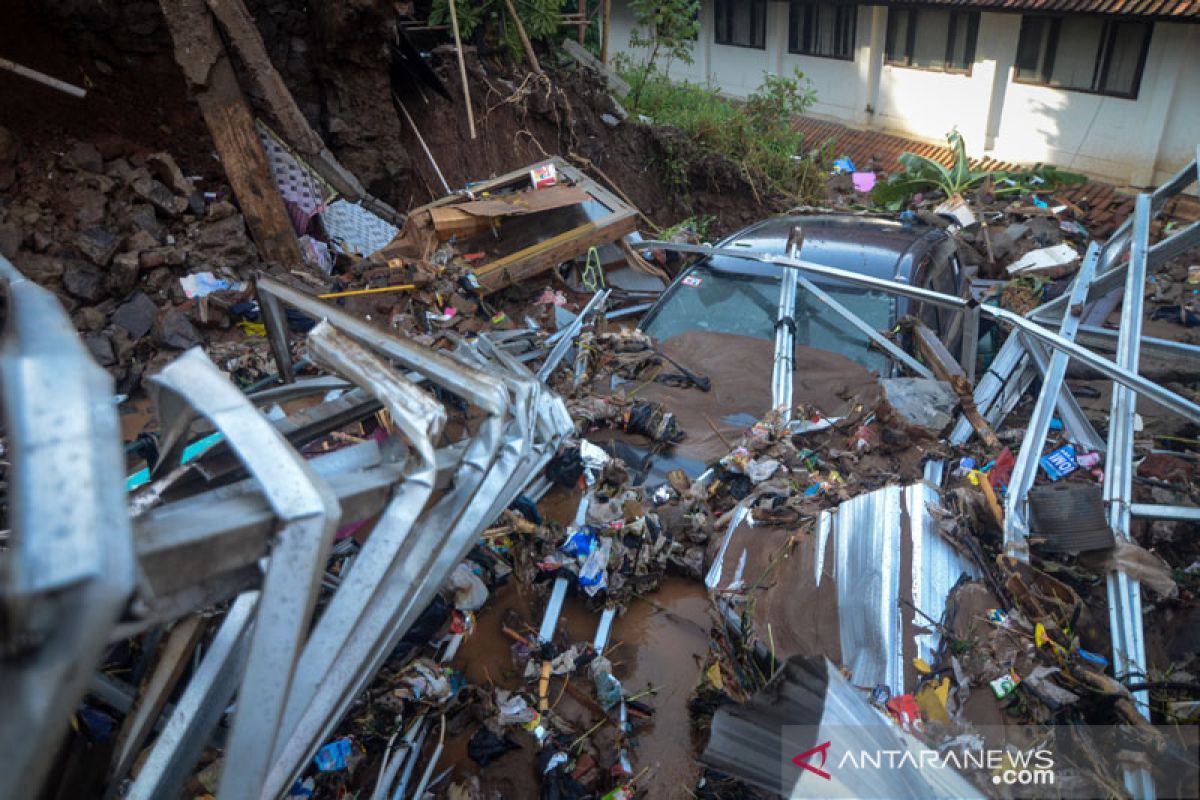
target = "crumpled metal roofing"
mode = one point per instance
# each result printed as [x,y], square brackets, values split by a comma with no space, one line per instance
[1181,10]
[869,535]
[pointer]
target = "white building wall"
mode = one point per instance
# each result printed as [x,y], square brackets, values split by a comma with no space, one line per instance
[1112,138]
[1137,142]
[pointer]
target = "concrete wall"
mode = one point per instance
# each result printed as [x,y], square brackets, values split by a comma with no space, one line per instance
[1139,142]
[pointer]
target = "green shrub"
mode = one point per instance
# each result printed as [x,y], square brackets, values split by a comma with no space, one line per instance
[758,135]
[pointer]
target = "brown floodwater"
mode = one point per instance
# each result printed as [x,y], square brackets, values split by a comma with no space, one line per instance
[658,642]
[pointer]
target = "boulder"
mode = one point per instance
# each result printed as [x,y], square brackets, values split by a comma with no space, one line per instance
[101,348]
[163,167]
[157,194]
[88,318]
[98,245]
[84,281]
[919,405]
[175,330]
[123,274]
[136,315]
[85,156]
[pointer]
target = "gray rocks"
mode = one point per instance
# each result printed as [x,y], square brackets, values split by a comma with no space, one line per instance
[101,348]
[157,194]
[136,315]
[11,238]
[123,274]
[175,330]
[163,167]
[920,403]
[98,245]
[85,282]
[86,157]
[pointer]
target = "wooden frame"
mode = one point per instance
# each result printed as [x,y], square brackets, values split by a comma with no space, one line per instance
[544,255]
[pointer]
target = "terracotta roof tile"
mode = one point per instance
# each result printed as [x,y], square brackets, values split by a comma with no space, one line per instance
[1161,9]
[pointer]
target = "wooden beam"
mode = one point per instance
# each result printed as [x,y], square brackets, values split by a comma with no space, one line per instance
[206,66]
[583,24]
[524,37]
[462,65]
[606,12]
[946,368]
[546,255]
[291,123]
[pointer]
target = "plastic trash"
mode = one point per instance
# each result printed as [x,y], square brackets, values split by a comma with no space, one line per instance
[334,756]
[1059,463]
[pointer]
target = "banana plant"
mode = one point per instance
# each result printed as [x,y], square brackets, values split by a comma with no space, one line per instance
[921,174]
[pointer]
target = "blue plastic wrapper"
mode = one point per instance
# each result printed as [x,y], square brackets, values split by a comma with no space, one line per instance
[1060,462]
[581,543]
[333,756]
[1093,658]
[843,164]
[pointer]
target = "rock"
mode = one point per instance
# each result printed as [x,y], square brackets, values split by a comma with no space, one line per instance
[175,330]
[221,209]
[123,345]
[101,348]
[86,157]
[123,274]
[119,169]
[11,239]
[10,147]
[162,256]
[220,232]
[196,204]
[69,304]
[159,279]
[136,315]
[163,167]
[139,241]
[88,318]
[84,281]
[38,268]
[160,196]
[920,403]
[90,205]
[143,219]
[98,245]
[8,176]
[41,241]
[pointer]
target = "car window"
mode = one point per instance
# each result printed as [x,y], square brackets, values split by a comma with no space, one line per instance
[820,327]
[710,299]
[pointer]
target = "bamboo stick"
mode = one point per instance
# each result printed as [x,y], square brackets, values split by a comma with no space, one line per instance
[462,65]
[524,37]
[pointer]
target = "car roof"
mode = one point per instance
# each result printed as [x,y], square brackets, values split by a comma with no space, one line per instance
[882,248]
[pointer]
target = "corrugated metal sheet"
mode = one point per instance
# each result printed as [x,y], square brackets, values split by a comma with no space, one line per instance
[1161,9]
[869,534]
[808,703]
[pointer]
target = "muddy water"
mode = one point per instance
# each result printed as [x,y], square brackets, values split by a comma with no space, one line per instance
[663,648]
[659,645]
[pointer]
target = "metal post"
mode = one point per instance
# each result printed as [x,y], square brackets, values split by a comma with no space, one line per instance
[1124,591]
[1016,526]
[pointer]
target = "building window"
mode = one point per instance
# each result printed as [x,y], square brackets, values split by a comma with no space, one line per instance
[932,39]
[742,23]
[821,29]
[1086,54]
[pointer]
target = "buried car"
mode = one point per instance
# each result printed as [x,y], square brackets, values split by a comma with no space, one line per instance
[717,325]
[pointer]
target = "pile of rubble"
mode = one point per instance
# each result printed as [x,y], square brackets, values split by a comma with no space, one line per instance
[130,246]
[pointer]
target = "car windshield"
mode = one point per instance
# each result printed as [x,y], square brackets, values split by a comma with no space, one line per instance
[711,299]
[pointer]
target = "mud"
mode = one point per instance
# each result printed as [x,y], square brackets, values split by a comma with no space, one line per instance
[658,643]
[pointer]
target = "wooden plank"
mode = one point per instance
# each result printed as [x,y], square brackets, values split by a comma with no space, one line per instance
[946,368]
[205,64]
[542,257]
[292,125]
